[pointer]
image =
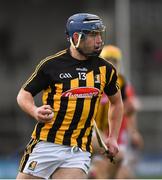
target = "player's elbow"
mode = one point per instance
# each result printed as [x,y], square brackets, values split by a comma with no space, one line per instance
[120,104]
[19,97]
[22,96]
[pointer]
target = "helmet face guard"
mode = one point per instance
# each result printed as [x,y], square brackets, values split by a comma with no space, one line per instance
[83,23]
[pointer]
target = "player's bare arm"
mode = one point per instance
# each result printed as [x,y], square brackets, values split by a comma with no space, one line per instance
[115,119]
[43,113]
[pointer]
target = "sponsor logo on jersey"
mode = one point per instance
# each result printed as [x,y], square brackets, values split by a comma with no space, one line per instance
[81,92]
[65,76]
[82,69]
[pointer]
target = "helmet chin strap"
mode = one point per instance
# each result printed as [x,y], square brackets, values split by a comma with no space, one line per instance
[77,45]
[80,51]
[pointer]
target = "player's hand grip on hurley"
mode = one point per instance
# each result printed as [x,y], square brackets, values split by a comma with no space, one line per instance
[102,144]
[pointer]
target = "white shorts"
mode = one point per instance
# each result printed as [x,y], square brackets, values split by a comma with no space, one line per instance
[46,157]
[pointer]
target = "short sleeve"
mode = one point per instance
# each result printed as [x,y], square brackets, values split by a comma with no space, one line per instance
[111,86]
[38,81]
[122,84]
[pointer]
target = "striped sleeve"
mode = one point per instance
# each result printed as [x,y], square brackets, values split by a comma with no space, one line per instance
[112,85]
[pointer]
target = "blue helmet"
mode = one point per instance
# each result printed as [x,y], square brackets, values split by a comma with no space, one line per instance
[83,22]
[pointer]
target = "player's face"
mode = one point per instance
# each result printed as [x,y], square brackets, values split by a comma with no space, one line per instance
[92,43]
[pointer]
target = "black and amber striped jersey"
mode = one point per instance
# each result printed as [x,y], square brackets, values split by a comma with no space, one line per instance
[72,88]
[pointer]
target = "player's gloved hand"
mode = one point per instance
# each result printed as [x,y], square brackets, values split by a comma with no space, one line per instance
[43,113]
